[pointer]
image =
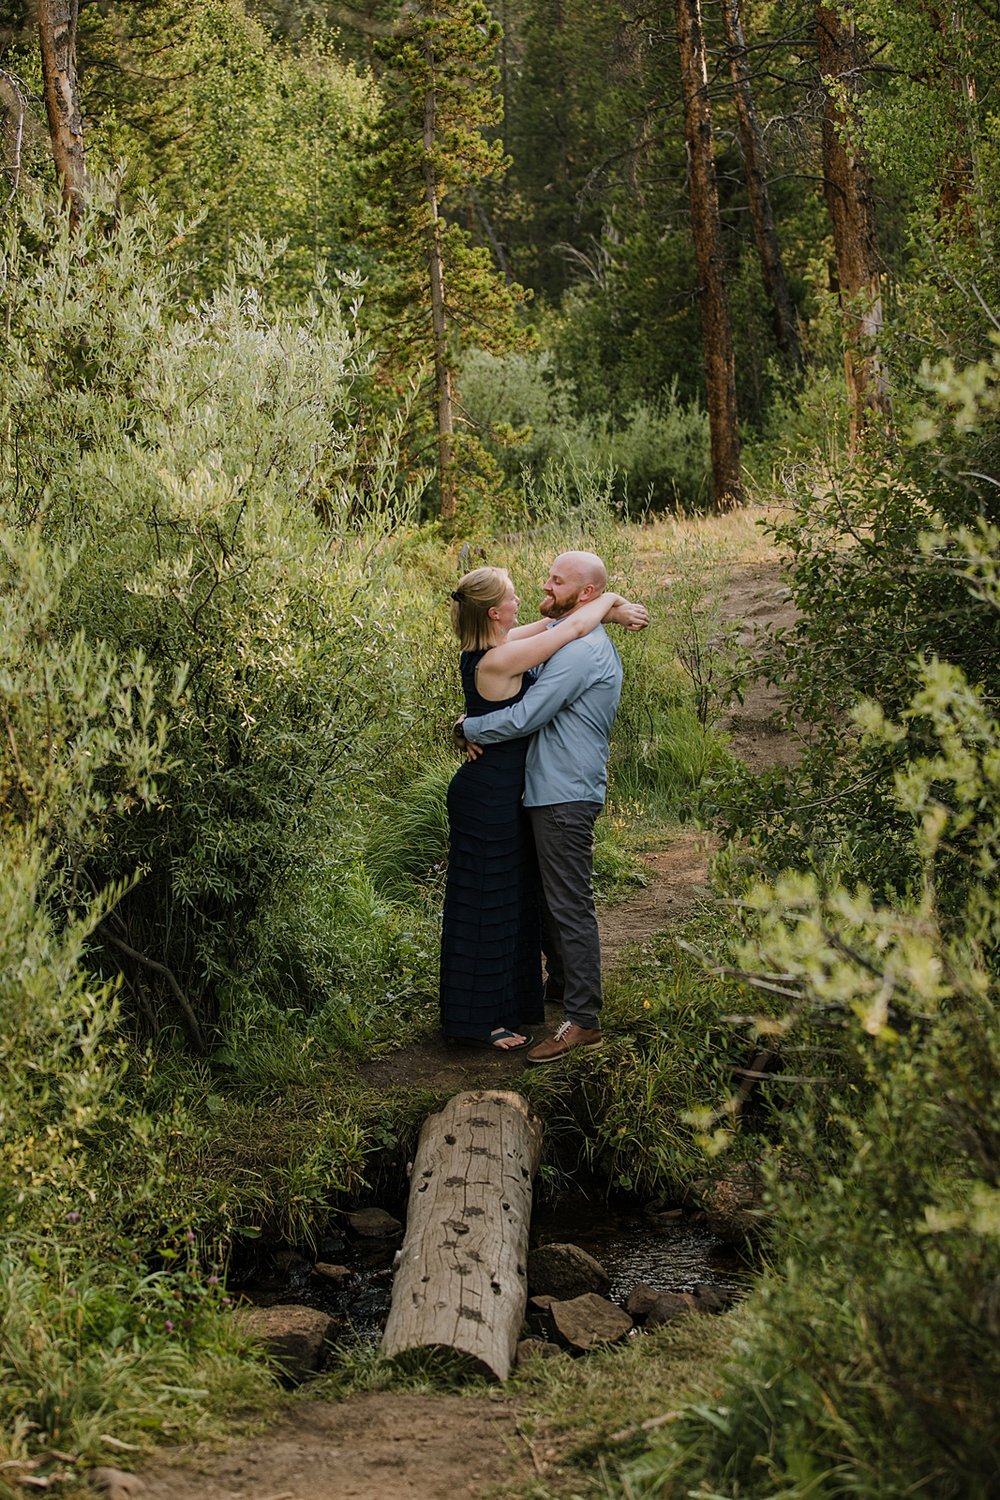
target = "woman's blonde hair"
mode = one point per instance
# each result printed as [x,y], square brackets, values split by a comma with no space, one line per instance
[473,598]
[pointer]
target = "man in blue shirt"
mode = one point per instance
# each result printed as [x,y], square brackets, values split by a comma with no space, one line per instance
[569,710]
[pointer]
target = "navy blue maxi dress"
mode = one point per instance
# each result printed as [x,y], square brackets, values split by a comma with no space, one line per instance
[491,971]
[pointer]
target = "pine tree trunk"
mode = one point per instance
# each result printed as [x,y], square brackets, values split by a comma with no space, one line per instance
[717,336]
[439,314]
[960,187]
[847,187]
[57,43]
[765,233]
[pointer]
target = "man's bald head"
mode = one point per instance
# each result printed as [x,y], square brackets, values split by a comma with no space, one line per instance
[586,567]
[574,578]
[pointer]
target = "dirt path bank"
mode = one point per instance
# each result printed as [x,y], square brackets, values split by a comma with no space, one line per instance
[373,1446]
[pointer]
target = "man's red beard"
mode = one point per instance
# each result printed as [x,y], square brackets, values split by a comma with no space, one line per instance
[553,611]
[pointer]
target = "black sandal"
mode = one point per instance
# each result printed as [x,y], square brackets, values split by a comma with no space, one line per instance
[489,1043]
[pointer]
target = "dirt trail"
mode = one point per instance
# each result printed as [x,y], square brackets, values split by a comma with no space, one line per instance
[393,1446]
[374,1446]
[757,597]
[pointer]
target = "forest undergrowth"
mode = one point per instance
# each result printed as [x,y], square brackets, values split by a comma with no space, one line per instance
[226,694]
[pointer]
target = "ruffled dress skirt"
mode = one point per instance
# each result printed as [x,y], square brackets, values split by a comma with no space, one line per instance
[491,972]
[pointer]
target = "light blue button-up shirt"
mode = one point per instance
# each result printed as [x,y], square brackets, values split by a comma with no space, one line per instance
[569,709]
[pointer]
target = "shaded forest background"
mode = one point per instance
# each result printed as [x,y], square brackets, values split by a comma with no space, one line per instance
[302,308]
[612,190]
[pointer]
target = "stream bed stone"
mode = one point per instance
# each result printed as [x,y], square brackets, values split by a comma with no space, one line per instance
[350,1278]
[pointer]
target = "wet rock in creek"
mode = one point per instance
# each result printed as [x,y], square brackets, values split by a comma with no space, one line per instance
[652,1307]
[374,1224]
[339,1275]
[583,1323]
[565,1271]
[295,1337]
[712,1299]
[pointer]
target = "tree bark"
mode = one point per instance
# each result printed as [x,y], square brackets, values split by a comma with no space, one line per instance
[57,21]
[766,235]
[717,336]
[461,1282]
[960,194]
[444,399]
[847,188]
[12,112]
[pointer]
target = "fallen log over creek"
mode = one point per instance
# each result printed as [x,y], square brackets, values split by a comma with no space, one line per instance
[461,1282]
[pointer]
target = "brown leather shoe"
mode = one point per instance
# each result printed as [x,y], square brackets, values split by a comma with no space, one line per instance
[564,1039]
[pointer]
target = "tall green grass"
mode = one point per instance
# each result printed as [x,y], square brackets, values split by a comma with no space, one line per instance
[101,1354]
[629,1114]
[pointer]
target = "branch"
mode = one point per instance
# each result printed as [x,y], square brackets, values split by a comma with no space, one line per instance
[190,1019]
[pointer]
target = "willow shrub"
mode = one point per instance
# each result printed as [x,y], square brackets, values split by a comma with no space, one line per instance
[95,1341]
[198,468]
[654,455]
[83,750]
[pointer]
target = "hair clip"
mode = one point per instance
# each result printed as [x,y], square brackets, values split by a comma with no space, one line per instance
[459,598]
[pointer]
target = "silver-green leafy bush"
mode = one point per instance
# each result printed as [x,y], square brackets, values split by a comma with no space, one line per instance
[196,471]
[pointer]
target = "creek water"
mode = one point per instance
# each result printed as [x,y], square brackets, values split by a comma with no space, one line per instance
[671,1250]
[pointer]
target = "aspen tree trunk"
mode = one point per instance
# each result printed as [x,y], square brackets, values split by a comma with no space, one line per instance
[766,235]
[439,313]
[57,43]
[847,188]
[12,111]
[717,336]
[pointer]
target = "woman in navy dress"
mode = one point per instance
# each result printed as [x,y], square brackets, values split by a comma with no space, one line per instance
[491,985]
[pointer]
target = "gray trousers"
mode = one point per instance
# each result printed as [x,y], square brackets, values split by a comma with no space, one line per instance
[564,841]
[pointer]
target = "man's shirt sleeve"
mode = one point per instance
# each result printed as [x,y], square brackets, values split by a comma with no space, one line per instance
[559,682]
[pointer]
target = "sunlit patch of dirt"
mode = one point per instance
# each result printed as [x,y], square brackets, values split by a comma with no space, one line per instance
[677,876]
[757,596]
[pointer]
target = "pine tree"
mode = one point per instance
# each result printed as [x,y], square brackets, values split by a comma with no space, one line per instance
[239,134]
[439,288]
